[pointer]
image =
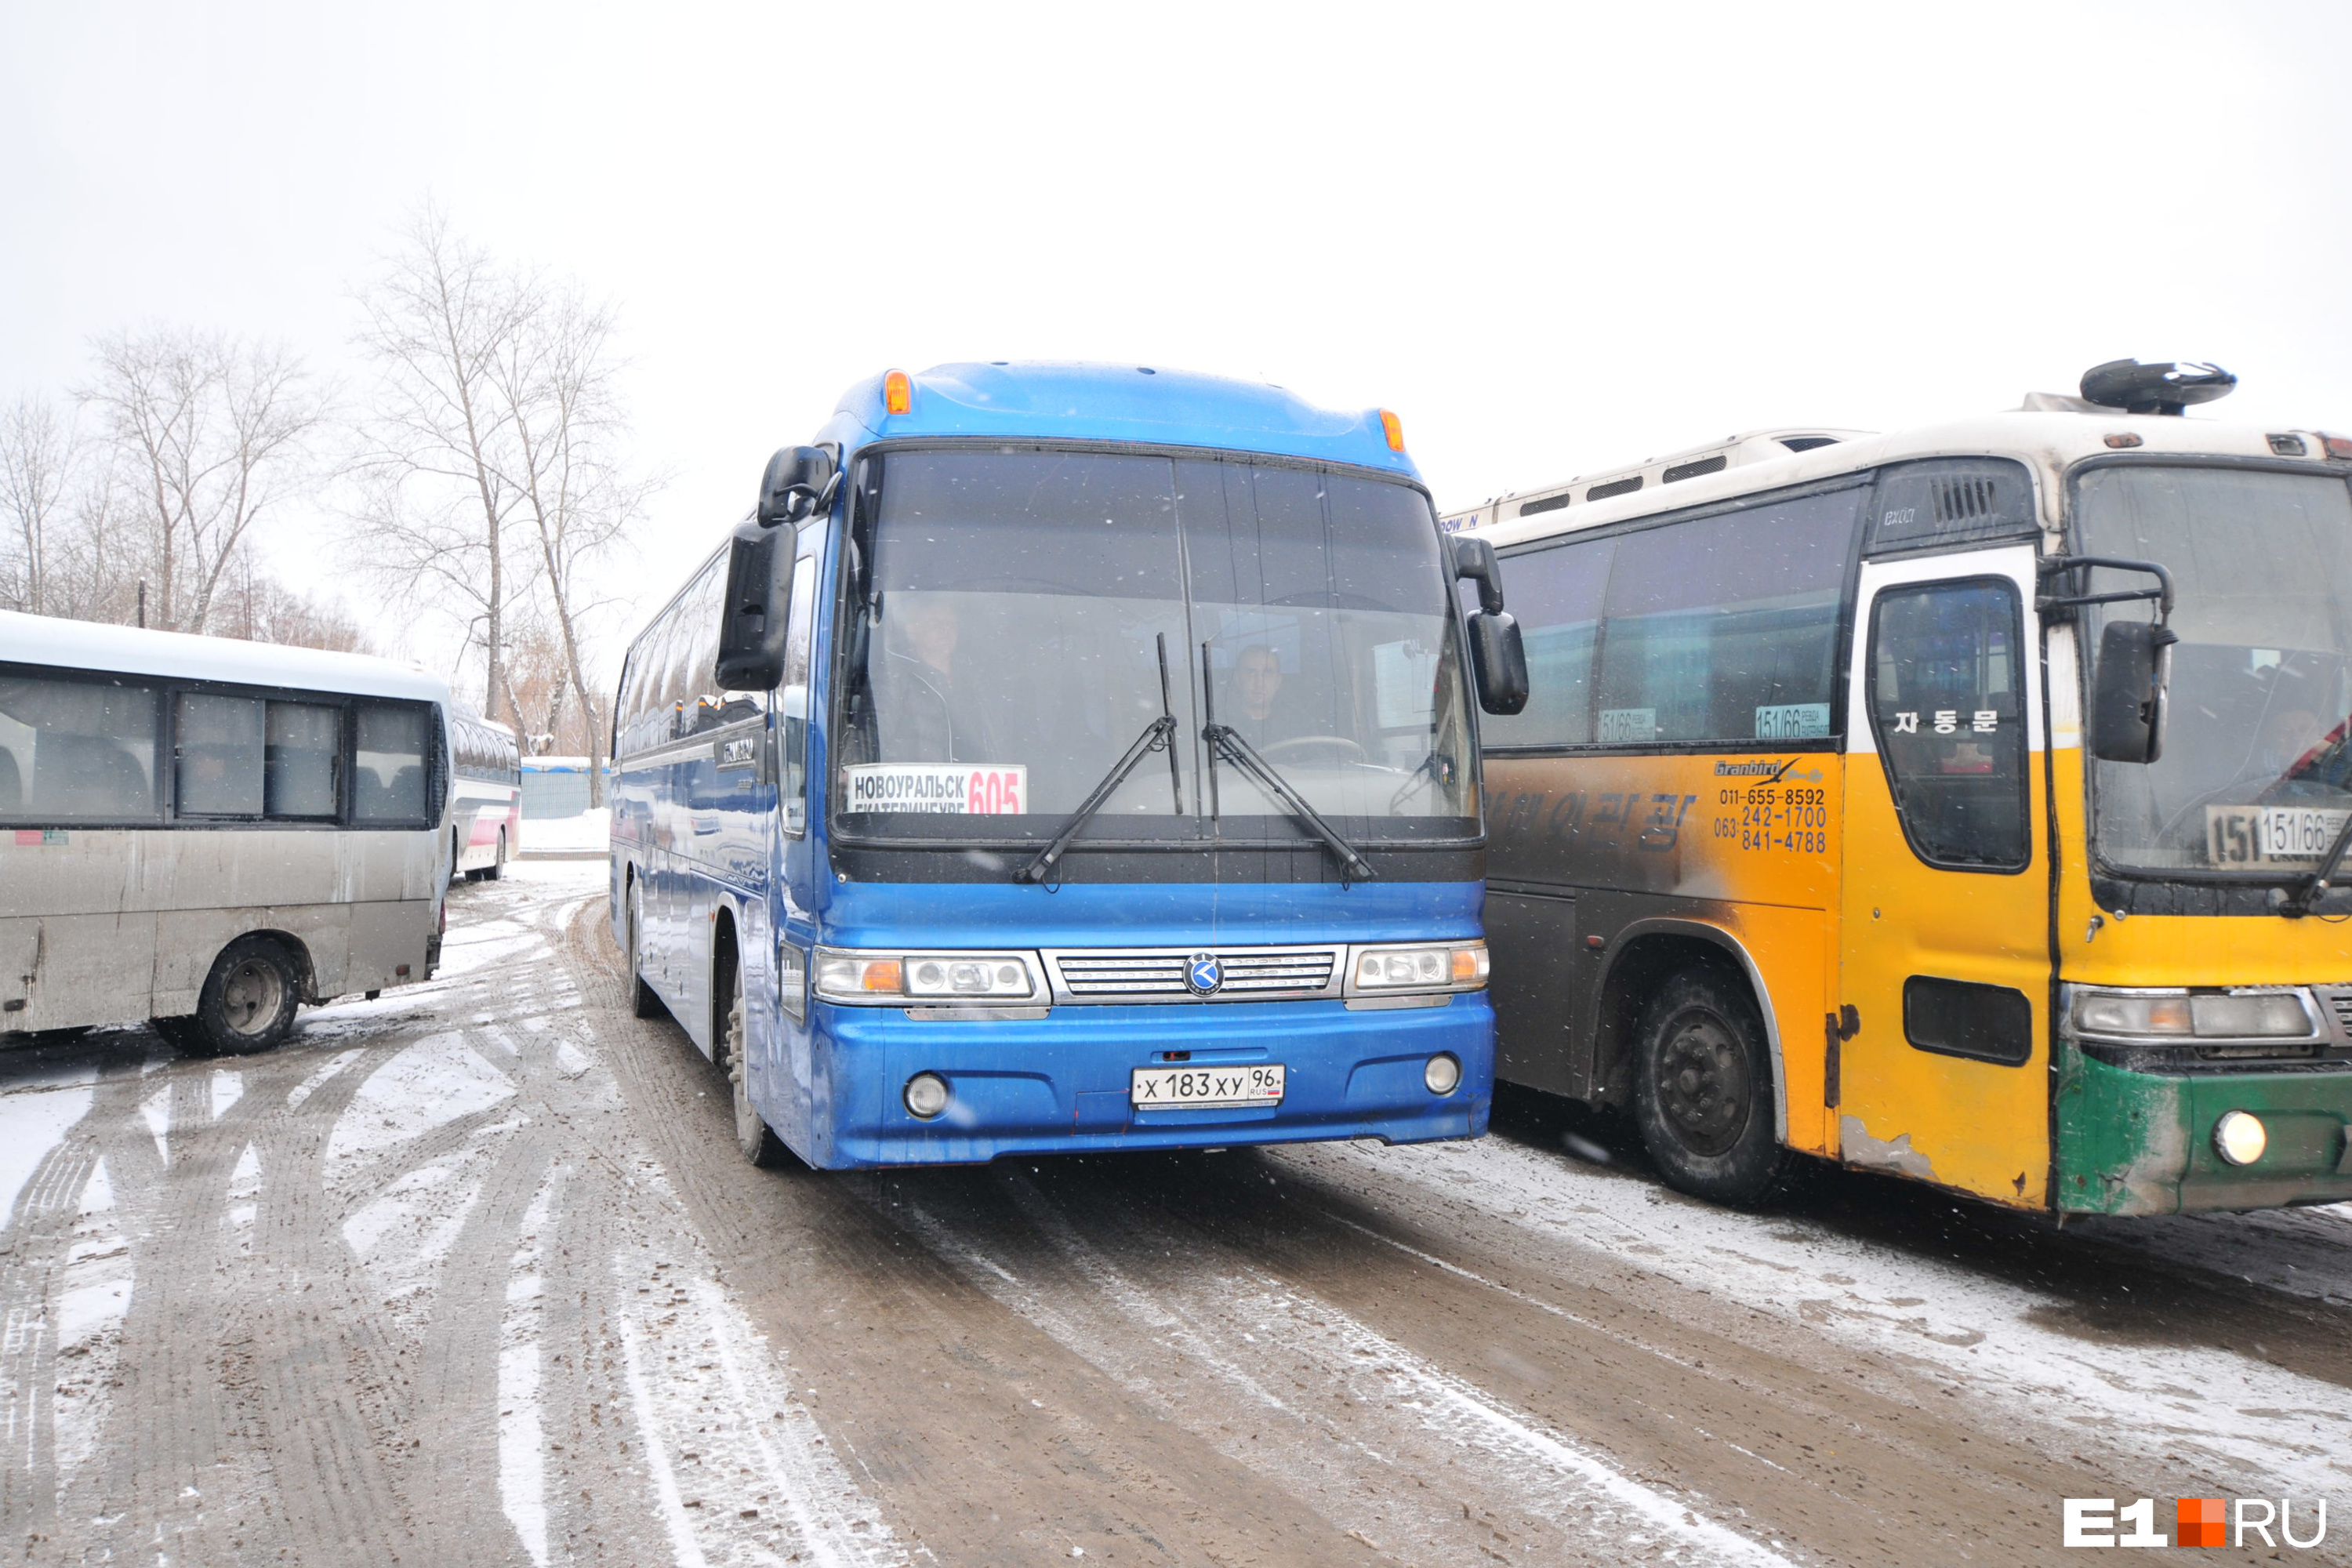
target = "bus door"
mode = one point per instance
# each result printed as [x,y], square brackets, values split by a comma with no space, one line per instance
[1940,1044]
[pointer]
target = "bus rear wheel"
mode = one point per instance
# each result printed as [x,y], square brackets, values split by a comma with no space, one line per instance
[752,1135]
[1702,1090]
[248,1003]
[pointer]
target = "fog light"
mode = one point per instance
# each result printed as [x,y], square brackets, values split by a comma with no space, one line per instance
[1442,1075]
[927,1095]
[2240,1138]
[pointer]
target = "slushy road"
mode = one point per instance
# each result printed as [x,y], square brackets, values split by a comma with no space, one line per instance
[473,1274]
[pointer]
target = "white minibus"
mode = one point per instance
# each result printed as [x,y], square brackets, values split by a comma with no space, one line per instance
[204,833]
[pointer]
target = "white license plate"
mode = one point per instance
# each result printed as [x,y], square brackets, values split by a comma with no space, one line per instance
[1182,1088]
[2243,834]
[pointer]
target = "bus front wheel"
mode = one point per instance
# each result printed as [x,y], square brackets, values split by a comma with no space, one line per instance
[248,1003]
[1702,1090]
[752,1135]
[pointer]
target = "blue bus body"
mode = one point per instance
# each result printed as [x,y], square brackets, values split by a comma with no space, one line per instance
[731,894]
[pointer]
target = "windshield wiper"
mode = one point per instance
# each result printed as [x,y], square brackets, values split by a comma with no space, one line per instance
[1159,735]
[2308,894]
[1226,741]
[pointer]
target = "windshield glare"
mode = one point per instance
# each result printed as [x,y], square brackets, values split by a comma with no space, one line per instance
[1024,606]
[2255,775]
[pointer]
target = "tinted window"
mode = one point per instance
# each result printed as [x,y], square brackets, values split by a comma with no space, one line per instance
[1555,595]
[74,751]
[1725,627]
[390,783]
[792,785]
[302,757]
[218,771]
[1947,707]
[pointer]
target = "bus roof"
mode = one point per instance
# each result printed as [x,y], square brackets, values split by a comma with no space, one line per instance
[128,650]
[1069,401]
[2045,436]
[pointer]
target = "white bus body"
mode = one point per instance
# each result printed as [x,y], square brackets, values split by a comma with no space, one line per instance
[1675,468]
[484,796]
[203,832]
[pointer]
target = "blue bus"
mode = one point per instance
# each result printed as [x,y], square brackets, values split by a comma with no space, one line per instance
[1070,758]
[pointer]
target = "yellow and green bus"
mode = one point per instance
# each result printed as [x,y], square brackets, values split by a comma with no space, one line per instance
[1965,803]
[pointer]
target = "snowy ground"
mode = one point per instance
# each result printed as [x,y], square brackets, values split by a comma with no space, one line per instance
[590,830]
[472,1273]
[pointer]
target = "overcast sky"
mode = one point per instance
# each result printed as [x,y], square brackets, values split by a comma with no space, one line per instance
[1550,237]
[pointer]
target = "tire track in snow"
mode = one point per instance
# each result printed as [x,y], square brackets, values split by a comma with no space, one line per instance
[1217,1305]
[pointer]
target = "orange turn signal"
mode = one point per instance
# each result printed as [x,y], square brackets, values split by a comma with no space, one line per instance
[2338,446]
[1392,427]
[881,974]
[898,392]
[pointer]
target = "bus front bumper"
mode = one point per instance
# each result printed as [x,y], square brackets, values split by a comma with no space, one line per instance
[2131,1142]
[1060,1084]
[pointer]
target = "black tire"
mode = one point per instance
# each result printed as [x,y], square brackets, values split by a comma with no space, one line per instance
[758,1142]
[644,1001]
[454,872]
[498,868]
[248,1003]
[1702,1090]
[180,1032]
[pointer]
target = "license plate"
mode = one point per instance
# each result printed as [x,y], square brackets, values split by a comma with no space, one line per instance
[1179,1088]
[2251,835]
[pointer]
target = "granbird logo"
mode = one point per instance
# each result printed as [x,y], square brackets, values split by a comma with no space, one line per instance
[2197,1521]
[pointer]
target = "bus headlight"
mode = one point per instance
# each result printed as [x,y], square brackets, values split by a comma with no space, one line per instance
[1450,966]
[2239,1016]
[884,978]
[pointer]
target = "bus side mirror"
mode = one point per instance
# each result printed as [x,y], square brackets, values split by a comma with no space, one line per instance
[752,620]
[2130,694]
[799,481]
[1473,559]
[1499,662]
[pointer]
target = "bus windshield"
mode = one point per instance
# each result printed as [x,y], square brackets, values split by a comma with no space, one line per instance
[2256,775]
[1028,613]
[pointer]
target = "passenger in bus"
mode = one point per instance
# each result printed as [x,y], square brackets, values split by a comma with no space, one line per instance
[931,709]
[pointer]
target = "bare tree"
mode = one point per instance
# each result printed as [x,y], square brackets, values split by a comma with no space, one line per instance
[37,459]
[557,380]
[432,466]
[211,432]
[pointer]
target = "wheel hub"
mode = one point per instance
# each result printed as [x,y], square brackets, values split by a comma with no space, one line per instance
[250,997]
[1703,1083]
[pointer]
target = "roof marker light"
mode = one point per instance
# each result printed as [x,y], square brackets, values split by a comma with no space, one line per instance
[1393,429]
[898,392]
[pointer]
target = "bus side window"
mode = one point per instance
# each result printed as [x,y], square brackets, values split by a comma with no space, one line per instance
[1725,627]
[792,785]
[81,750]
[217,756]
[1556,596]
[1947,707]
[389,784]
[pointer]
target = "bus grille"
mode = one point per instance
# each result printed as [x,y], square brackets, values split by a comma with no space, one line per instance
[2341,1000]
[1159,976]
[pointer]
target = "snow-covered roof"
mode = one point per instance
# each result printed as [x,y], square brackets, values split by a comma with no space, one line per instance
[128,650]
